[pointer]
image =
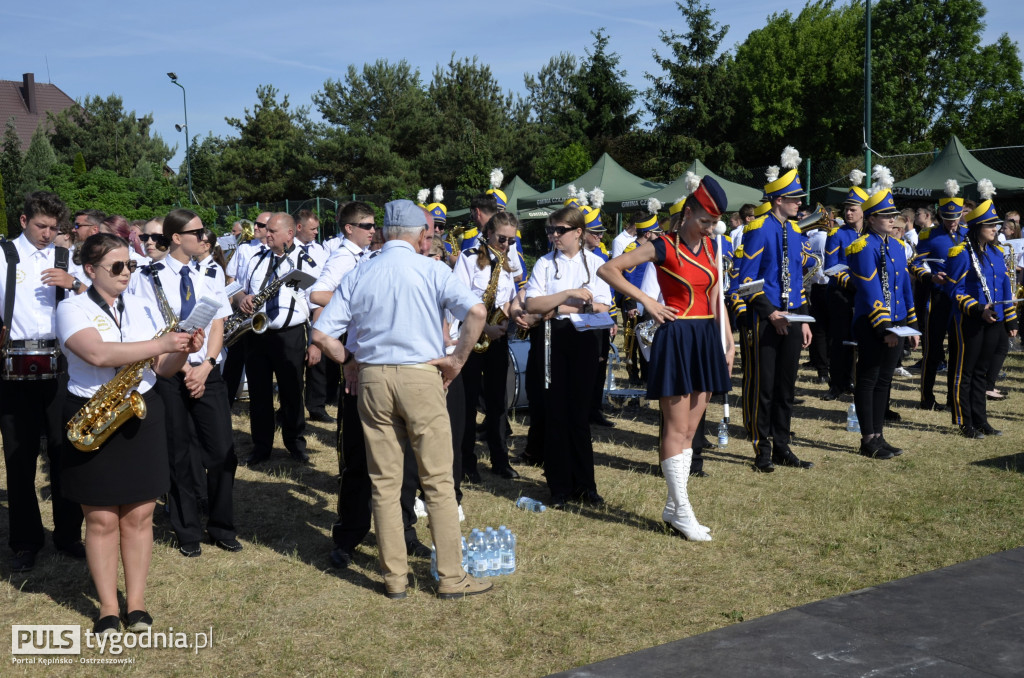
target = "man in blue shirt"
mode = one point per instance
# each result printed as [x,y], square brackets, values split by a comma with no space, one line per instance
[392,307]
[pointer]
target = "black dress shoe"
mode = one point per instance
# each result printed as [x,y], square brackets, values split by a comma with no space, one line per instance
[892,448]
[872,449]
[191,550]
[933,406]
[763,463]
[989,431]
[320,415]
[787,458]
[525,459]
[231,545]
[830,395]
[892,416]
[472,477]
[299,456]
[506,472]
[558,501]
[970,433]
[256,458]
[599,419]
[340,558]
[417,548]
[588,497]
[23,561]
[74,549]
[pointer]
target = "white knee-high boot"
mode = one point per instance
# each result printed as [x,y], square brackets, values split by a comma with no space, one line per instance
[677,472]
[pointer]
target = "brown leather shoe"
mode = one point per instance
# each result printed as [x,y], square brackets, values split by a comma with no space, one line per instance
[467,587]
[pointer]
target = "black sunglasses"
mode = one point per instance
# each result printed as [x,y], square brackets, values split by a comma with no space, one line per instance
[502,239]
[260,224]
[199,233]
[157,238]
[366,227]
[117,268]
[557,230]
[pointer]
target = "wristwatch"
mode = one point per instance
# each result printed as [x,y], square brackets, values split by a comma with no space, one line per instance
[75,286]
[212,361]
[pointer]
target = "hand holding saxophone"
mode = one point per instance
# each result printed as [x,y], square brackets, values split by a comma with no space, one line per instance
[181,342]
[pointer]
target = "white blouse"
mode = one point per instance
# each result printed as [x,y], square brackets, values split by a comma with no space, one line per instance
[573,273]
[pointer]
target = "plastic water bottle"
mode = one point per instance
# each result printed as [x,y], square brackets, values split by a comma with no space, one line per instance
[493,553]
[508,551]
[852,423]
[433,563]
[531,505]
[723,433]
[465,555]
[478,554]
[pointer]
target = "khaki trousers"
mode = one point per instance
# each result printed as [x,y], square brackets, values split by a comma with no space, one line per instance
[399,405]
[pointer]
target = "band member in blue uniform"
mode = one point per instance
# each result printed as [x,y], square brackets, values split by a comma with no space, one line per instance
[981,323]
[884,299]
[841,289]
[773,252]
[929,266]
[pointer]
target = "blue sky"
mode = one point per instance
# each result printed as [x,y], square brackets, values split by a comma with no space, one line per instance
[221,51]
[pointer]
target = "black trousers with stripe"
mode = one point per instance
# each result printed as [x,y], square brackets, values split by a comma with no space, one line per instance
[973,346]
[769,385]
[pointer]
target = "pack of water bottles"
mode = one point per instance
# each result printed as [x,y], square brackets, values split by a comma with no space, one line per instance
[487,553]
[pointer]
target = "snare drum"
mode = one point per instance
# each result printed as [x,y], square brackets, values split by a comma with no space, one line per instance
[30,361]
[515,391]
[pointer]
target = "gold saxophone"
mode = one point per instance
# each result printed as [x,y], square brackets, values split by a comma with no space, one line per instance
[240,322]
[117,401]
[495,316]
[814,269]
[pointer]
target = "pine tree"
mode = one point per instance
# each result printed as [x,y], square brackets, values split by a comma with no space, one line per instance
[39,160]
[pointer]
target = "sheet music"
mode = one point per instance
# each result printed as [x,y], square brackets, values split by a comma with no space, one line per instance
[201,316]
[234,288]
[903,331]
[836,270]
[591,321]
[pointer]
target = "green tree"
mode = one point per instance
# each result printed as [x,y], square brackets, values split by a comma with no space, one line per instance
[10,167]
[106,135]
[689,100]
[79,165]
[138,197]
[548,96]
[3,207]
[271,157]
[39,160]
[563,163]
[376,122]
[601,100]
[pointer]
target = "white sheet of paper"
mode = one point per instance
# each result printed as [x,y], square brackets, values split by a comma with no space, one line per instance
[752,287]
[904,331]
[234,288]
[201,315]
[798,318]
[836,270]
[591,321]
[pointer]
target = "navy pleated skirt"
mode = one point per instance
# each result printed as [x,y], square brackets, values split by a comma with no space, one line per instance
[687,357]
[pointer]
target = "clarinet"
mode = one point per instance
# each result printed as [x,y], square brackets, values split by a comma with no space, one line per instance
[977,271]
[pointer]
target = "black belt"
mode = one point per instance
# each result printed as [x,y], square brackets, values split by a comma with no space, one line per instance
[34,343]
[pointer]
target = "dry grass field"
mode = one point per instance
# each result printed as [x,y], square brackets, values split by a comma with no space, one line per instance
[591,584]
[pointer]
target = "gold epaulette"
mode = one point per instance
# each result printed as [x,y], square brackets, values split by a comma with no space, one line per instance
[999,247]
[834,231]
[924,235]
[955,250]
[630,247]
[796,226]
[738,252]
[857,245]
[754,225]
[728,238]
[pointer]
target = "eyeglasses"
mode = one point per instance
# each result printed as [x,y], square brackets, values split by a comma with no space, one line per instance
[557,230]
[78,225]
[369,226]
[502,239]
[199,233]
[260,224]
[157,238]
[117,268]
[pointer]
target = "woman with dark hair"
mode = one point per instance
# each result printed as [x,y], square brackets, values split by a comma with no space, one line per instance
[564,281]
[982,323]
[118,483]
[487,371]
[153,239]
[688,362]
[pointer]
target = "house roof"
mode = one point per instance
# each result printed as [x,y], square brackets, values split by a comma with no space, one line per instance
[16,96]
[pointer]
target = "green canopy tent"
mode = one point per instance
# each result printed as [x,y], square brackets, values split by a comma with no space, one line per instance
[738,194]
[954,162]
[515,190]
[617,183]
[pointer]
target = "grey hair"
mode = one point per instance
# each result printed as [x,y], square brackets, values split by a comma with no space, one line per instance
[396,232]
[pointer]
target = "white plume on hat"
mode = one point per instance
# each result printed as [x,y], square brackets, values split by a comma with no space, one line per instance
[653,205]
[883,179]
[422,195]
[581,197]
[438,193]
[772,173]
[597,197]
[497,176]
[952,188]
[572,192]
[857,176]
[986,189]
[692,182]
[790,157]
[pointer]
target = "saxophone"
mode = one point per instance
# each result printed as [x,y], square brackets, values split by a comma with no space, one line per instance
[495,316]
[813,271]
[240,322]
[117,401]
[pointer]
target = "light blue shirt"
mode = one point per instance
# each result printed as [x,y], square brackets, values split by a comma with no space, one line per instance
[395,303]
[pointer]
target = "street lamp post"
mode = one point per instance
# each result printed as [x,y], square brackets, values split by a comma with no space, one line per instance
[188,162]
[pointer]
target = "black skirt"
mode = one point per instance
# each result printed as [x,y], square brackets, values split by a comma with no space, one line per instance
[130,467]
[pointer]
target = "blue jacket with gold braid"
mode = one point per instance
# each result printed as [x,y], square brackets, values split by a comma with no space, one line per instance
[864,257]
[762,259]
[835,253]
[935,243]
[966,290]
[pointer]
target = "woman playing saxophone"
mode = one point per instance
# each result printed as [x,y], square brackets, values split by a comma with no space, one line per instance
[118,483]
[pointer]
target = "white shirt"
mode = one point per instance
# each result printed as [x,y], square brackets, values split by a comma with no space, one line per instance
[207,265]
[817,242]
[737,236]
[255,273]
[572,274]
[139,322]
[345,257]
[169,272]
[477,279]
[620,242]
[242,252]
[33,301]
